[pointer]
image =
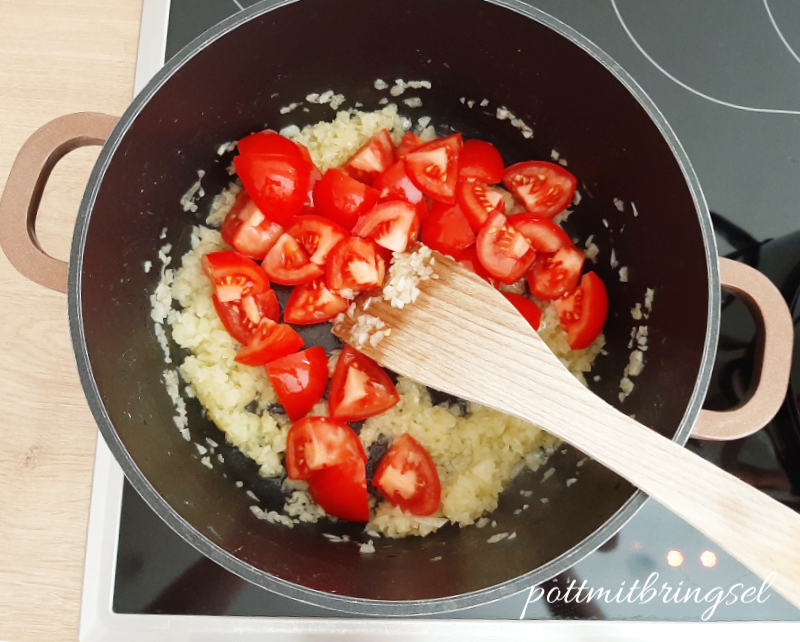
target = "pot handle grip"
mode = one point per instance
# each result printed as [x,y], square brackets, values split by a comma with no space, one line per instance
[774,344]
[22,195]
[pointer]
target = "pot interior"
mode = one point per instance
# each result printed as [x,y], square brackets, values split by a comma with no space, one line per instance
[469,49]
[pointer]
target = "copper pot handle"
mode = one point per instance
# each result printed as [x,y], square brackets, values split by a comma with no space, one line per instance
[26,182]
[774,343]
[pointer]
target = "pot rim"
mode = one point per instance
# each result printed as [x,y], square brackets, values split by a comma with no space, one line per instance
[352,605]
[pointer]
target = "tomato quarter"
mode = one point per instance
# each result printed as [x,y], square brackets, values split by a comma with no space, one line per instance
[583,312]
[313,302]
[242,316]
[357,265]
[270,341]
[433,168]
[393,225]
[269,142]
[372,159]
[544,188]
[447,230]
[360,388]
[469,259]
[314,443]
[278,184]
[395,184]
[526,308]
[555,274]
[248,230]
[504,252]
[342,491]
[480,161]
[317,235]
[544,235]
[299,380]
[408,143]
[479,202]
[288,263]
[342,198]
[234,276]
[407,477]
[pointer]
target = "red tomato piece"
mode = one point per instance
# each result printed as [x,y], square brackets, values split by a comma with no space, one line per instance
[313,302]
[469,259]
[447,230]
[394,184]
[479,202]
[299,380]
[315,443]
[407,477]
[555,274]
[583,312]
[342,491]
[372,159]
[360,388]
[543,188]
[408,143]
[357,265]
[269,142]
[544,235]
[278,184]
[526,308]
[503,251]
[433,168]
[242,316]
[480,161]
[313,178]
[393,225]
[248,230]
[288,263]
[342,198]
[270,341]
[317,235]
[234,276]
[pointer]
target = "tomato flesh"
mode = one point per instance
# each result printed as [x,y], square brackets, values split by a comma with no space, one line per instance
[395,184]
[317,235]
[270,341]
[544,235]
[408,143]
[278,184]
[447,230]
[242,316]
[555,274]
[469,259]
[248,230]
[480,161]
[342,198]
[479,202]
[583,312]
[526,308]
[504,252]
[288,263]
[433,168]
[360,388]
[313,302]
[407,477]
[357,265]
[392,224]
[372,159]
[234,276]
[299,380]
[315,443]
[342,491]
[544,188]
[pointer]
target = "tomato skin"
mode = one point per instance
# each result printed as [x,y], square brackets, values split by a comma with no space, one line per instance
[480,161]
[504,252]
[317,235]
[395,184]
[360,388]
[479,202]
[408,143]
[544,188]
[342,491]
[391,224]
[278,184]
[288,263]
[469,259]
[408,478]
[270,341]
[356,264]
[555,274]
[447,230]
[544,235]
[371,159]
[583,312]
[526,308]
[313,302]
[248,230]
[299,380]
[233,275]
[269,142]
[433,168]
[314,443]
[343,199]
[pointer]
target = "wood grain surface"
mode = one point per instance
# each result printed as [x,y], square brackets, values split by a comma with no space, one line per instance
[56,57]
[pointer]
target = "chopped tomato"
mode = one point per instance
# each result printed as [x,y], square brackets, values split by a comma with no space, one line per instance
[526,308]
[393,225]
[479,202]
[269,142]
[248,230]
[288,263]
[242,316]
[434,168]
[555,274]
[313,302]
[315,443]
[357,265]
[480,161]
[394,183]
[299,380]
[469,259]
[408,143]
[360,388]
[270,341]
[313,178]
[503,251]
[407,477]
[543,188]
[278,184]
[317,235]
[447,230]
[583,312]
[544,235]
[234,276]
[342,198]
[372,159]
[342,491]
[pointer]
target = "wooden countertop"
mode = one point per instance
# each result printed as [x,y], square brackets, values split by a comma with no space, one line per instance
[56,57]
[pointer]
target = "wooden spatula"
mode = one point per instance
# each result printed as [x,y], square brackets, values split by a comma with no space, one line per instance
[464,338]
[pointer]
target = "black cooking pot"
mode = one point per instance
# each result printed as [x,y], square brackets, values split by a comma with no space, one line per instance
[232,81]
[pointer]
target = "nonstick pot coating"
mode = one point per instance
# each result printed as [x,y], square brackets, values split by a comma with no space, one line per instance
[233,81]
